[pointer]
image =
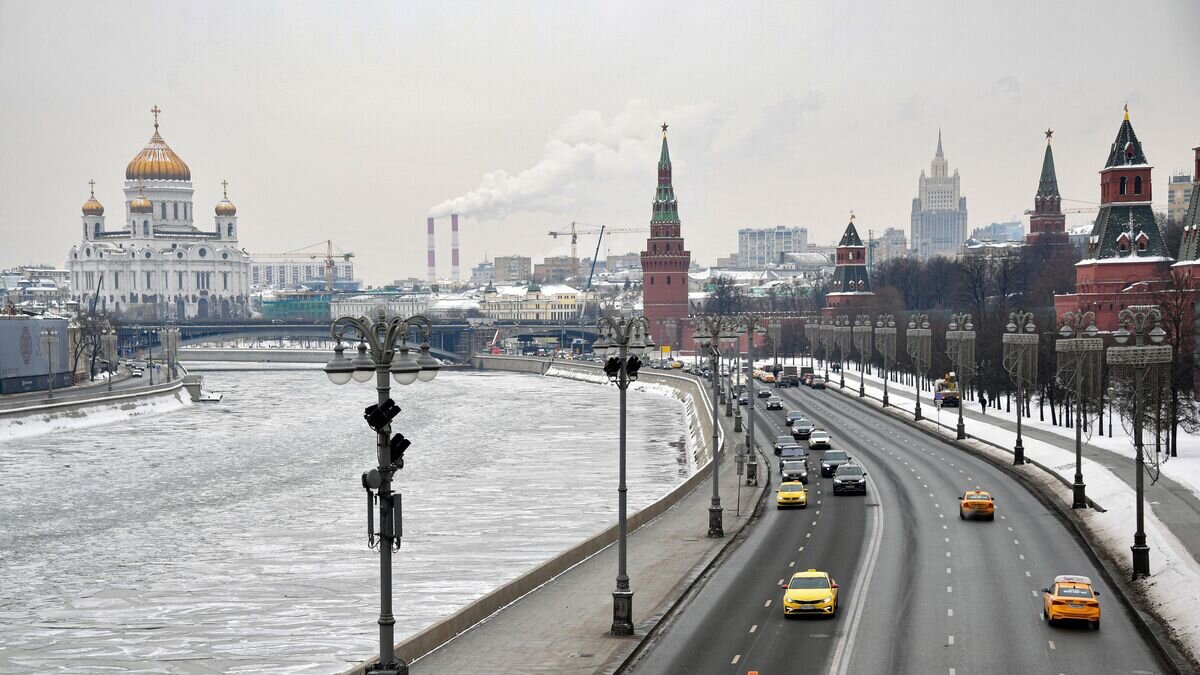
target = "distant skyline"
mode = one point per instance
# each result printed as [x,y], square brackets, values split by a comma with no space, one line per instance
[354,122]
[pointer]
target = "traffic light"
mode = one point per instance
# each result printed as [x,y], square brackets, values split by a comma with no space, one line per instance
[632,366]
[612,368]
[398,445]
[380,415]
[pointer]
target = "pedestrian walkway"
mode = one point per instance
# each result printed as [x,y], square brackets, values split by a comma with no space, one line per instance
[563,626]
[1174,504]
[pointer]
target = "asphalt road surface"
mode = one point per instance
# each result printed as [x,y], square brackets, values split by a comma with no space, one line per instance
[921,591]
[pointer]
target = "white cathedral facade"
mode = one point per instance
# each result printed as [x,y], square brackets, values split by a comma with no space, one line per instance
[156,264]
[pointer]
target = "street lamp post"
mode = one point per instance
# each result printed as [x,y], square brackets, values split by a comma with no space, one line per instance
[1020,360]
[828,337]
[862,342]
[1139,363]
[171,345]
[776,328]
[383,350]
[812,335]
[842,333]
[109,339]
[714,328]
[885,344]
[916,343]
[751,326]
[1079,365]
[50,342]
[960,347]
[625,340]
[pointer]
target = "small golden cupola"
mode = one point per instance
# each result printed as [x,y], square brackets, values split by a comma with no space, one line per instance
[140,204]
[225,207]
[93,207]
[157,161]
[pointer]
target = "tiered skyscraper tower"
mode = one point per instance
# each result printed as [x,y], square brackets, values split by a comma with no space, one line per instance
[939,212]
[665,261]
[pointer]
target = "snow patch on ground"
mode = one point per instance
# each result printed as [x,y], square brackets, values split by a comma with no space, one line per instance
[34,424]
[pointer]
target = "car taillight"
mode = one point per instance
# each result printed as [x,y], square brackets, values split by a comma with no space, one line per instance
[1058,602]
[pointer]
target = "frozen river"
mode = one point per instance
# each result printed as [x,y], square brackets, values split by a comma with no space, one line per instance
[232,537]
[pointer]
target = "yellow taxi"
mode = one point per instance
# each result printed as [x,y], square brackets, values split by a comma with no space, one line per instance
[791,493]
[768,378]
[810,592]
[1071,598]
[976,504]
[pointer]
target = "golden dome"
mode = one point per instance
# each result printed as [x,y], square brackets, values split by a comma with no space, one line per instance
[140,204]
[92,207]
[225,207]
[157,161]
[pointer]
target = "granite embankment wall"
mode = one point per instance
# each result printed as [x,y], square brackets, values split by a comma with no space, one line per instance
[696,401]
[96,407]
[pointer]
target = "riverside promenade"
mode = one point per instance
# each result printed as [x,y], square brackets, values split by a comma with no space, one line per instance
[562,625]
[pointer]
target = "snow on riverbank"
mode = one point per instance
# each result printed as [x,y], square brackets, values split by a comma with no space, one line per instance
[14,426]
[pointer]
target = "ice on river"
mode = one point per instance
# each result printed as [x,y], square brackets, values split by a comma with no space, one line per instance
[232,537]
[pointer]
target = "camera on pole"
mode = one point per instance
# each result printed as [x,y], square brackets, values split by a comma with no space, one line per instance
[632,366]
[398,445]
[380,415]
[612,367]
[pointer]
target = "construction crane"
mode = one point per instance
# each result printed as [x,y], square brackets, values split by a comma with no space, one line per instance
[302,252]
[577,229]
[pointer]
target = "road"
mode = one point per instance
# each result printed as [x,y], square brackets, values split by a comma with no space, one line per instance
[921,590]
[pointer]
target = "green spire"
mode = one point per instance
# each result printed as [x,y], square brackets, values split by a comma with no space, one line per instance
[1048,184]
[665,208]
[664,159]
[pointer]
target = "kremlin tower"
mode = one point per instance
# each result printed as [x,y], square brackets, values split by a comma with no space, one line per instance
[1126,259]
[665,262]
[1189,247]
[1047,224]
[851,288]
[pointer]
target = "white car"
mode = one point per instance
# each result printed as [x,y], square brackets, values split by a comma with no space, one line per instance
[819,439]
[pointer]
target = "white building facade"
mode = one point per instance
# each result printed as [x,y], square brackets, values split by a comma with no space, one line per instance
[156,264]
[939,212]
[293,273]
[759,247]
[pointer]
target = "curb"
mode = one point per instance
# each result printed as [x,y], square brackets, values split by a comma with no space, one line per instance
[1170,655]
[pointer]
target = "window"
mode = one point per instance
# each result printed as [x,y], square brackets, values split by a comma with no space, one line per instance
[224,281]
[651,281]
[203,252]
[1137,185]
[146,229]
[1124,184]
[668,279]
[180,280]
[116,280]
[149,280]
[230,235]
[164,210]
[97,229]
[176,209]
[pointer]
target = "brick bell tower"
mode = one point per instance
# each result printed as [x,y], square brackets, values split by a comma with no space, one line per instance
[665,264]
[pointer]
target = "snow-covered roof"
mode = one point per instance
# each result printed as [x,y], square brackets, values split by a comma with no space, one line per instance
[1126,259]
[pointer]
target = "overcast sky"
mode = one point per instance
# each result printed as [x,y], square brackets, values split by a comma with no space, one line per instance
[354,121]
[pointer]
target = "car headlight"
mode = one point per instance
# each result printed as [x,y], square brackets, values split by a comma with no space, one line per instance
[828,598]
[824,465]
[837,480]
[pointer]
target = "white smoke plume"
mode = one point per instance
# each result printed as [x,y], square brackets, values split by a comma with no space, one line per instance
[582,157]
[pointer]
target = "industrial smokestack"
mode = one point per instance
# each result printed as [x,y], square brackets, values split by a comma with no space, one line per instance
[432,251]
[454,269]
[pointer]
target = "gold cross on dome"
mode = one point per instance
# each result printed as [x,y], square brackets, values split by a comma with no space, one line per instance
[851,215]
[92,184]
[155,110]
[225,188]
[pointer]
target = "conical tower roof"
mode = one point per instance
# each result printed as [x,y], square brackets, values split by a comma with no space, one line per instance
[1048,183]
[666,210]
[850,236]
[1126,149]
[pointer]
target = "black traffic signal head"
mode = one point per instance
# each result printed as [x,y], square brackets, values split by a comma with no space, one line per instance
[612,368]
[632,366]
[380,415]
[398,445]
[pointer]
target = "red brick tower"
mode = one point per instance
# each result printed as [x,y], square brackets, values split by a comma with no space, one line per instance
[851,288]
[1126,261]
[1189,246]
[665,263]
[1047,224]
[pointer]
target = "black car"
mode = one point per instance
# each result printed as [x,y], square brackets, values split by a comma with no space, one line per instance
[794,415]
[831,460]
[792,453]
[802,429]
[763,393]
[782,441]
[793,470]
[744,399]
[774,403]
[849,478]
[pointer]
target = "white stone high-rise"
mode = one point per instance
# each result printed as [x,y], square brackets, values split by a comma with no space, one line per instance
[156,263]
[939,212]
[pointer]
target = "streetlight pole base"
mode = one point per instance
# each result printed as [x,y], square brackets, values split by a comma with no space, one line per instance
[1018,454]
[917,413]
[737,421]
[1141,560]
[1078,495]
[960,431]
[622,613]
[716,526]
[396,667]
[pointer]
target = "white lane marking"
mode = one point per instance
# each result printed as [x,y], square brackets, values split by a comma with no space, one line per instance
[807,535]
[792,564]
[947,570]
[937,506]
[1016,542]
[780,582]
[941,516]
[1027,573]
[947,540]
[800,550]
[951,671]
[753,628]
[1034,593]
[949,589]
[950,639]
[1003,518]
[818,512]
[930,494]
[1010,529]
[767,604]
[736,658]
[949,612]
[1052,644]
[945,527]
[814,522]
[1021,555]
[840,663]
[947,554]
